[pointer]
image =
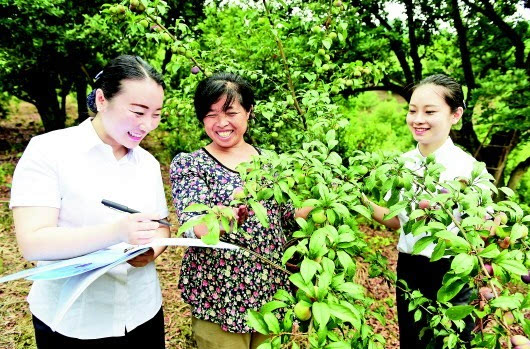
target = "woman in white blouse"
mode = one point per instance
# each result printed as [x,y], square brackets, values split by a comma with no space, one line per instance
[56,198]
[436,104]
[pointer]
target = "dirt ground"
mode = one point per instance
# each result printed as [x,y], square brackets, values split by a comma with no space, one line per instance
[15,318]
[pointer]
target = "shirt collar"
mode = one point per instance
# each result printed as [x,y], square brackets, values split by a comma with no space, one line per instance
[89,139]
[442,152]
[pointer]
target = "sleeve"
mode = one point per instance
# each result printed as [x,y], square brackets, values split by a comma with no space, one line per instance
[36,180]
[188,186]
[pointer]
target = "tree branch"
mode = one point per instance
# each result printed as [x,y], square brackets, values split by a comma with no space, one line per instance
[508,31]
[397,89]
[416,61]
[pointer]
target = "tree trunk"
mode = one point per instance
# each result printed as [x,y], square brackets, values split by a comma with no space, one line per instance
[466,136]
[50,113]
[80,89]
[495,154]
[167,59]
[518,173]
[416,61]
[42,88]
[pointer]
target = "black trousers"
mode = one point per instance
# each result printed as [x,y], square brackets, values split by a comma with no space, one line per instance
[146,336]
[426,276]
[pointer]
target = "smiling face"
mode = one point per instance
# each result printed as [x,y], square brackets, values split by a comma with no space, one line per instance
[430,118]
[226,127]
[123,121]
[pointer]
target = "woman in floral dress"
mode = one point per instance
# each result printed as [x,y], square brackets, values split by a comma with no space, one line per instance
[221,285]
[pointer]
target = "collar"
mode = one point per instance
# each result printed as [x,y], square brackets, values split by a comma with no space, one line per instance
[442,154]
[444,151]
[89,139]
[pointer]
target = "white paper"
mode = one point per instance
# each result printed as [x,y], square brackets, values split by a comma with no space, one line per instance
[99,259]
[83,270]
[75,285]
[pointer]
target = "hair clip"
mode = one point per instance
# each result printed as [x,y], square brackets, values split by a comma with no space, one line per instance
[98,75]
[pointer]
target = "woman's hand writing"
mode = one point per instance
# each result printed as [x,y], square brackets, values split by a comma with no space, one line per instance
[137,228]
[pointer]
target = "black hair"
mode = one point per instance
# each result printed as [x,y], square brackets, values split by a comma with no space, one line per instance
[124,67]
[453,94]
[214,87]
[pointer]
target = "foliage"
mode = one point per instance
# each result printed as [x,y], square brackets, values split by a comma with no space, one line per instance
[328,246]
[374,125]
[306,58]
[326,307]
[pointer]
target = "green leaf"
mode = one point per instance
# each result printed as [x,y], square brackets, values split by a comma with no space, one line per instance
[330,135]
[317,243]
[345,260]
[188,224]
[363,210]
[284,296]
[311,203]
[211,238]
[260,211]
[507,191]
[457,243]
[505,302]
[272,322]
[478,168]
[450,289]
[417,315]
[299,282]
[513,266]
[345,314]
[341,209]
[491,251]
[338,345]
[197,208]
[288,254]
[422,244]
[225,223]
[396,209]
[265,194]
[463,264]
[471,221]
[256,321]
[321,313]
[271,306]
[459,312]
[308,268]
[287,322]
[439,251]
[354,290]
[517,231]
[416,214]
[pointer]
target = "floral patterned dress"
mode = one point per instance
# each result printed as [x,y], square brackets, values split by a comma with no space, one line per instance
[221,285]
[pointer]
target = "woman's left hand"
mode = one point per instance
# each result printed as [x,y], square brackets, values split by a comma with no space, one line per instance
[143,259]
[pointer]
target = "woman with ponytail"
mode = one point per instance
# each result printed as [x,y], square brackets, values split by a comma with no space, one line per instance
[56,198]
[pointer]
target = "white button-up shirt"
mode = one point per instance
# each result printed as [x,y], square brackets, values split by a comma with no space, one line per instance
[457,163]
[73,170]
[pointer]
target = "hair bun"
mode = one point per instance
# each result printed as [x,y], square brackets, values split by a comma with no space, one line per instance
[91,101]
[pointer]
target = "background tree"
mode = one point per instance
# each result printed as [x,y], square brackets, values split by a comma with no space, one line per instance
[53,48]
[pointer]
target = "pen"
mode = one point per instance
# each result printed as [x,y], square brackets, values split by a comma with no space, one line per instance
[123,208]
